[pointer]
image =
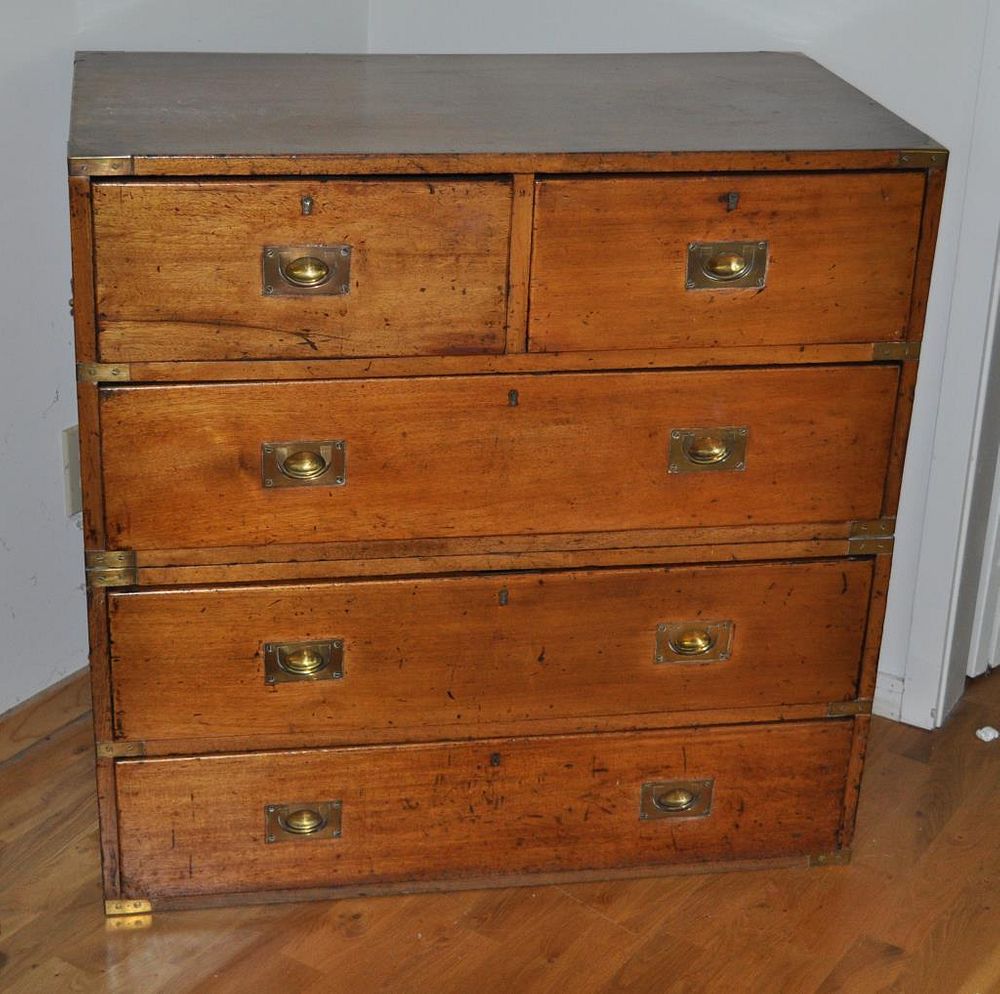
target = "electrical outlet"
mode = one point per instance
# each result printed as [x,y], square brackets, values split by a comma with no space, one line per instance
[71,470]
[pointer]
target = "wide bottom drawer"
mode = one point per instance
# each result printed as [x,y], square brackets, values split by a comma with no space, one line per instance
[343,817]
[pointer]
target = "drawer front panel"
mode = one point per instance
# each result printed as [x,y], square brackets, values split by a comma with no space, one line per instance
[181,270]
[447,658]
[468,456]
[610,263]
[485,808]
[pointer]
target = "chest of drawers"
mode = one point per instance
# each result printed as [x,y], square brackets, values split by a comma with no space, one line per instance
[490,462]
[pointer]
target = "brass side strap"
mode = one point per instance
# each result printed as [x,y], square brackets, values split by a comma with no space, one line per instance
[111,569]
[895,351]
[871,538]
[116,750]
[101,372]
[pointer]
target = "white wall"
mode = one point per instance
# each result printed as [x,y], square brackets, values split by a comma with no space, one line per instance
[43,633]
[921,58]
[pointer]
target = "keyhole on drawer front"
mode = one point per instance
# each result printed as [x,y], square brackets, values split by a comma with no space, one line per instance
[503,597]
[731,200]
[495,759]
[512,398]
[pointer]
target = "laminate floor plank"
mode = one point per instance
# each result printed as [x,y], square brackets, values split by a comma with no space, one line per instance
[915,912]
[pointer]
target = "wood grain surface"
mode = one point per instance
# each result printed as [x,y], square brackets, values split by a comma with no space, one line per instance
[454,457]
[610,260]
[483,808]
[179,268]
[462,657]
[297,106]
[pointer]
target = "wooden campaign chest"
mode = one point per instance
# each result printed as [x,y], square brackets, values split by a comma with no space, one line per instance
[490,462]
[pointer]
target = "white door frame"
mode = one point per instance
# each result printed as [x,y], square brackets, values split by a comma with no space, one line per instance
[923,664]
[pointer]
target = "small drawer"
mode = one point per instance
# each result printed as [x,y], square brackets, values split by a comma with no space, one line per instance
[196,466]
[384,661]
[347,817]
[300,269]
[701,261]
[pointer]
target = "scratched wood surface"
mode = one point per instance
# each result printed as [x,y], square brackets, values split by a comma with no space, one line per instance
[609,261]
[179,268]
[474,656]
[303,106]
[464,456]
[478,809]
[914,913]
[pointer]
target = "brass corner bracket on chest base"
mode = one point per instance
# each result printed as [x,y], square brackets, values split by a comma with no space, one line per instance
[111,569]
[128,906]
[871,538]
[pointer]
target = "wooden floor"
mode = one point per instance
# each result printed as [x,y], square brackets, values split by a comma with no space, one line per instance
[918,910]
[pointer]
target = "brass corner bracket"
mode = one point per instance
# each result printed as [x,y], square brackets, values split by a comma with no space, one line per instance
[923,158]
[116,750]
[871,538]
[100,165]
[111,569]
[128,906]
[895,351]
[100,372]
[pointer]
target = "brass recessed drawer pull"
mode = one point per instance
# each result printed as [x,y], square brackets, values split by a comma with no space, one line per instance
[304,464]
[305,820]
[699,450]
[726,265]
[693,641]
[306,270]
[676,799]
[294,662]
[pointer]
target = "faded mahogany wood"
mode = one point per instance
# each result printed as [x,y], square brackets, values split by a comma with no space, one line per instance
[484,808]
[535,362]
[442,564]
[201,744]
[454,482]
[445,658]
[82,244]
[522,215]
[753,537]
[461,105]
[428,268]
[859,746]
[610,260]
[873,631]
[918,311]
[440,457]
[85,333]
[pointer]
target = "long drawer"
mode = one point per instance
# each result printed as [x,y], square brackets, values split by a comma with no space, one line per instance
[371,661]
[301,268]
[327,818]
[630,263]
[223,465]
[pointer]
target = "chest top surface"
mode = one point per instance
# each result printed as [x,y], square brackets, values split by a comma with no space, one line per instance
[205,104]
